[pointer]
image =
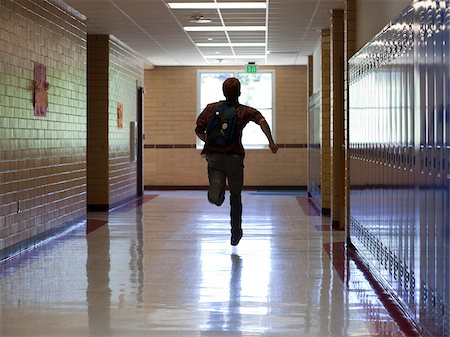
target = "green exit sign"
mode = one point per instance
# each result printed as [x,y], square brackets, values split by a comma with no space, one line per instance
[251,68]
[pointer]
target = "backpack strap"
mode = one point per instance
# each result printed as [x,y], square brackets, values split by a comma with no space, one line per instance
[226,111]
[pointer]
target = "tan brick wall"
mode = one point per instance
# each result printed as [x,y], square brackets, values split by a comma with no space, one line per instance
[325,127]
[337,119]
[97,154]
[42,159]
[114,72]
[125,71]
[170,115]
[349,51]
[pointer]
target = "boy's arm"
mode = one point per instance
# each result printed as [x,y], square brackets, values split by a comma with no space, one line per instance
[200,128]
[266,129]
[201,135]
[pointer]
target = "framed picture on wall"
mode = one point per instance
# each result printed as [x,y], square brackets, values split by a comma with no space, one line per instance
[120,115]
[40,96]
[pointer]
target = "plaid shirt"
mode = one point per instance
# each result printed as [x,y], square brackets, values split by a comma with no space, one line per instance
[245,114]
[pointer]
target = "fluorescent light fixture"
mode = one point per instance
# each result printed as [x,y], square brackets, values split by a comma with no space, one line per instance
[236,57]
[223,29]
[215,5]
[231,44]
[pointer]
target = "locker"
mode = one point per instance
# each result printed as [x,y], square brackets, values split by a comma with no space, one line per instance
[403,159]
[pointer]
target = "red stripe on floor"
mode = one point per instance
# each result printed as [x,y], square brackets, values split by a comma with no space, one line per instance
[93,224]
[135,203]
[401,326]
[323,228]
[307,207]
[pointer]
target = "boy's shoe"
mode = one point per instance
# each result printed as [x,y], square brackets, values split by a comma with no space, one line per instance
[235,238]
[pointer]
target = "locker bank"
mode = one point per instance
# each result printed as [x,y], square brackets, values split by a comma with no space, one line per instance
[105,224]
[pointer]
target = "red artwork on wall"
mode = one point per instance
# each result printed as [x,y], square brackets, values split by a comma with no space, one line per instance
[40,97]
[120,115]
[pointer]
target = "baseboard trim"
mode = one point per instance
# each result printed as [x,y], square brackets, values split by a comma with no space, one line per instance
[326,211]
[98,208]
[109,207]
[203,187]
[39,239]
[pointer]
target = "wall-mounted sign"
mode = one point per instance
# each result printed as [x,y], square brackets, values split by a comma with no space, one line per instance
[120,115]
[250,68]
[40,97]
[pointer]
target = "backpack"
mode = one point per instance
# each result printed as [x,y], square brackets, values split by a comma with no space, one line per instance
[221,126]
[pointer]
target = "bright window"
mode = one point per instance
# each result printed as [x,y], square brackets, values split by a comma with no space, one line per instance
[257,91]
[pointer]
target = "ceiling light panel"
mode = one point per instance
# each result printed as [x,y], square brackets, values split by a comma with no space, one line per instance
[222,28]
[232,44]
[235,42]
[237,56]
[218,5]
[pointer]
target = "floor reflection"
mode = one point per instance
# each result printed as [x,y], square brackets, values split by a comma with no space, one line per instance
[234,314]
[234,293]
[167,269]
[221,319]
[98,292]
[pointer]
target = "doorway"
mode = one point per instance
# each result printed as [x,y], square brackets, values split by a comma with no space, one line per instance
[140,140]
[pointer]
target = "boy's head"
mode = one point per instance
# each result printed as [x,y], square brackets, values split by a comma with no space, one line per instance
[231,89]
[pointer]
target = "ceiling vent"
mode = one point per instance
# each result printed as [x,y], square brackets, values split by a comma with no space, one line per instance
[199,19]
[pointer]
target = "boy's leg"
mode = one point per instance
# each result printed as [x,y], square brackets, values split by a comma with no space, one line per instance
[216,176]
[235,172]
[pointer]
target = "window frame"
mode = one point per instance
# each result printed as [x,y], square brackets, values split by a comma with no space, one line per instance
[236,72]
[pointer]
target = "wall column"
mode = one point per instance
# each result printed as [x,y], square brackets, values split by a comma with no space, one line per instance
[325,124]
[349,51]
[337,120]
[98,122]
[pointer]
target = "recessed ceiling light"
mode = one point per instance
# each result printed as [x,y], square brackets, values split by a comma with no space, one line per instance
[237,57]
[210,39]
[215,5]
[282,52]
[223,29]
[231,44]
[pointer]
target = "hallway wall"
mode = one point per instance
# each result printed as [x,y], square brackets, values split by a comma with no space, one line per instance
[114,71]
[170,114]
[42,159]
[126,71]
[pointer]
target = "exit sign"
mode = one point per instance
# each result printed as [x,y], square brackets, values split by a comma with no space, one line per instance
[251,68]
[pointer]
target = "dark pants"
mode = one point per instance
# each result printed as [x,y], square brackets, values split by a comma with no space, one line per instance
[220,168]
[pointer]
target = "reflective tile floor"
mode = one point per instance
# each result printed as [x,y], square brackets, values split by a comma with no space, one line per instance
[163,266]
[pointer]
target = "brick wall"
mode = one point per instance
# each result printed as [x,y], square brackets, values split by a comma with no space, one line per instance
[126,70]
[349,51]
[42,159]
[337,119]
[170,114]
[326,123]
[97,154]
[113,74]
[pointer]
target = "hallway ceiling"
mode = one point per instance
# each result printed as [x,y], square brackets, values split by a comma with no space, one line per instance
[289,30]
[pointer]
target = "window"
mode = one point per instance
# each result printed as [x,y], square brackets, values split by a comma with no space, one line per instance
[257,90]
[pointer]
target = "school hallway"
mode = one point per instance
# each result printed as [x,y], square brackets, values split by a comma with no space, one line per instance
[163,266]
